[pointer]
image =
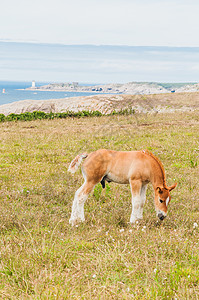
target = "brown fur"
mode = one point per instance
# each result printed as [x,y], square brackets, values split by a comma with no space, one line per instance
[135,167]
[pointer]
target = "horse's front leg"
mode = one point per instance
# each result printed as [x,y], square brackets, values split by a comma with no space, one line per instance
[143,198]
[137,200]
[81,195]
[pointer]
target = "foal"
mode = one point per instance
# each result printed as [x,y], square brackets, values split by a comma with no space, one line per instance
[135,167]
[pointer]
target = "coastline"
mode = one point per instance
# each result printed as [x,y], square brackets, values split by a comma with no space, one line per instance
[131,88]
[106,104]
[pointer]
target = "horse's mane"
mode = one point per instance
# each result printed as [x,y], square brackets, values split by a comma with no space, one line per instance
[160,165]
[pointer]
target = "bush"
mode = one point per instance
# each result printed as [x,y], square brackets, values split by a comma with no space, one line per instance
[28,116]
[2,117]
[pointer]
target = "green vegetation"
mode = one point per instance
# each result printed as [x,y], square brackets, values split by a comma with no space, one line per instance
[175,85]
[42,257]
[39,115]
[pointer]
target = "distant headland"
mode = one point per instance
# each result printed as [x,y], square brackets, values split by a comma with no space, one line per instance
[131,88]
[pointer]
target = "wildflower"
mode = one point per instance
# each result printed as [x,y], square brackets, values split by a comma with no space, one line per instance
[130,230]
[122,230]
[144,227]
[195,225]
[94,276]
[155,270]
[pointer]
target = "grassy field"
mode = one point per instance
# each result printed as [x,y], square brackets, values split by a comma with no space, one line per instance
[42,257]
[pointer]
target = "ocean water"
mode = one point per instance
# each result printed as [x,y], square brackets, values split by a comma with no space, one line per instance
[15,91]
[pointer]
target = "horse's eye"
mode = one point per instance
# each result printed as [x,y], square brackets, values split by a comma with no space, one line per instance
[161,201]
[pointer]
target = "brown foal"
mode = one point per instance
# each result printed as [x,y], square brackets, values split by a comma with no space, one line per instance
[135,167]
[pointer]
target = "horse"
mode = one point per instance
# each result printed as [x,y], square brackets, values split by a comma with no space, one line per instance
[137,168]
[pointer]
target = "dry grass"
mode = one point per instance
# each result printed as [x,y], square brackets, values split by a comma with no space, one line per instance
[42,257]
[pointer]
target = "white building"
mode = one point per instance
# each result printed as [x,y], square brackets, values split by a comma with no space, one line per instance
[33,84]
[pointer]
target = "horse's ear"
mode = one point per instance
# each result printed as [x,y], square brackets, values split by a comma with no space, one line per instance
[172,187]
[159,189]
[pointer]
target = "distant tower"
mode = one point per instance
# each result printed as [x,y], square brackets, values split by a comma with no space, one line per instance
[33,84]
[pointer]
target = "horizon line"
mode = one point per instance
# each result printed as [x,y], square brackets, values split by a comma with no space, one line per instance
[93,45]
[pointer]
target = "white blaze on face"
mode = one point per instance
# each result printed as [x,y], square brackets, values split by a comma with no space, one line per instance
[167,201]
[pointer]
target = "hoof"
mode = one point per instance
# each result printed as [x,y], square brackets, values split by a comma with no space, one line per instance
[135,220]
[74,222]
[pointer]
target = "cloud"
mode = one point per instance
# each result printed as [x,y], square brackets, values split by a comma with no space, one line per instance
[118,22]
[97,64]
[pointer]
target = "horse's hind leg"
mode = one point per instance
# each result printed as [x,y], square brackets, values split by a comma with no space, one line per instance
[78,204]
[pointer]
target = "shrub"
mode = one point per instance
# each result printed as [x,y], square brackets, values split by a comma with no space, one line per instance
[2,117]
[28,116]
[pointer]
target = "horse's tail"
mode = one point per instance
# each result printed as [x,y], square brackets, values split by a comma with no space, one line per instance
[76,162]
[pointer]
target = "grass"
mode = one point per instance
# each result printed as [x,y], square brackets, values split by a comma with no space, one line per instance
[42,257]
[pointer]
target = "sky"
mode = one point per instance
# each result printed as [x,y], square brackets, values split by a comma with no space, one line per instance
[101,22]
[97,64]
[27,25]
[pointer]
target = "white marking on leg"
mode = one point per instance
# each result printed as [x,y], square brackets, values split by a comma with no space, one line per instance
[78,206]
[138,200]
[81,195]
[136,208]
[142,199]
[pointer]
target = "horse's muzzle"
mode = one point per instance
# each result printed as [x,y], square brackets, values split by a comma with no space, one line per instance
[161,216]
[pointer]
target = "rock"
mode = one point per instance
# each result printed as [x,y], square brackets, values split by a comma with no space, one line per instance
[168,102]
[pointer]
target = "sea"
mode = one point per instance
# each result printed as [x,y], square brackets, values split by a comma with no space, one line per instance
[12,91]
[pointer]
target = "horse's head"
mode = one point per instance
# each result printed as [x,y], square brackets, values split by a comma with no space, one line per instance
[162,199]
